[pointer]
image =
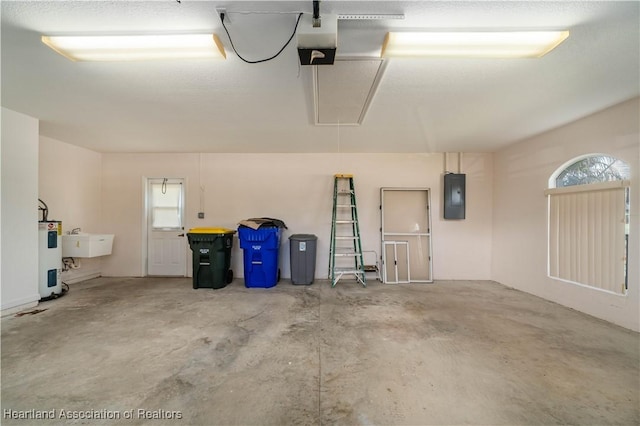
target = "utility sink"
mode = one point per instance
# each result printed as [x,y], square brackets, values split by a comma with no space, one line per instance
[86,245]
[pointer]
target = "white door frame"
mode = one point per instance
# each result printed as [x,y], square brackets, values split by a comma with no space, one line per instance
[144,264]
[395,245]
[391,235]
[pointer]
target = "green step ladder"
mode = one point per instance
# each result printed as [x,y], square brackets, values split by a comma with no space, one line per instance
[345,256]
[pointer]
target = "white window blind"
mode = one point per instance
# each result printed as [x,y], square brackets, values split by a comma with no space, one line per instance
[587,235]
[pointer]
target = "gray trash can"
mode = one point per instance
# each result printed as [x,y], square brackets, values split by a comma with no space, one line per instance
[303,258]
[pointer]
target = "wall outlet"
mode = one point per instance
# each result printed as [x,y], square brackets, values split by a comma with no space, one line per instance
[222,13]
[201,215]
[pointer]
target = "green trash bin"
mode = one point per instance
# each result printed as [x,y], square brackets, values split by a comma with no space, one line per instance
[211,249]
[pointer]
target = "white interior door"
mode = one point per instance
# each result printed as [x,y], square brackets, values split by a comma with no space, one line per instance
[166,241]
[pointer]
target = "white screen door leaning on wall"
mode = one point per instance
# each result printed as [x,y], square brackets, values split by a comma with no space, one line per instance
[166,242]
[406,235]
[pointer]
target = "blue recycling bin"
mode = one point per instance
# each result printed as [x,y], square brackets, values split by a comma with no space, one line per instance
[260,249]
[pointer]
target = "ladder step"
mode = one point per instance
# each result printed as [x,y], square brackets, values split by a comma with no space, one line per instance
[345,221]
[345,205]
[345,237]
[348,271]
[346,253]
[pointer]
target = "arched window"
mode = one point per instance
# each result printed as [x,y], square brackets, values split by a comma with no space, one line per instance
[592,169]
[589,222]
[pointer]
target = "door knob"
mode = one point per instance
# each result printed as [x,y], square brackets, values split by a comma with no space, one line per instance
[180,235]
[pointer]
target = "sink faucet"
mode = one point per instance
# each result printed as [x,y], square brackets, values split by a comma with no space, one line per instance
[75,231]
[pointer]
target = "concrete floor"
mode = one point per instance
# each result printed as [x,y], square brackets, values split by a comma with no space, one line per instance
[449,353]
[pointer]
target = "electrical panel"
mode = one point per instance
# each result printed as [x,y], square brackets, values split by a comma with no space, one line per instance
[454,195]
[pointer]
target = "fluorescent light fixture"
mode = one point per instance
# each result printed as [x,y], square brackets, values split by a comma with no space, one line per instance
[136,47]
[508,44]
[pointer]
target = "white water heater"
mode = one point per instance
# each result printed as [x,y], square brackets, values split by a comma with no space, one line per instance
[50,258]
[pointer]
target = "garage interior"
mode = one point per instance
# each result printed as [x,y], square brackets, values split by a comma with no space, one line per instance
[523,307]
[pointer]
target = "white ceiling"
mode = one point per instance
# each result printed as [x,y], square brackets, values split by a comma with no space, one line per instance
[421,105]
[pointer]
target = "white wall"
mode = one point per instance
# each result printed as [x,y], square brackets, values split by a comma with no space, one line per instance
[297,188]
[521,174]
[19,219]
[70,184]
